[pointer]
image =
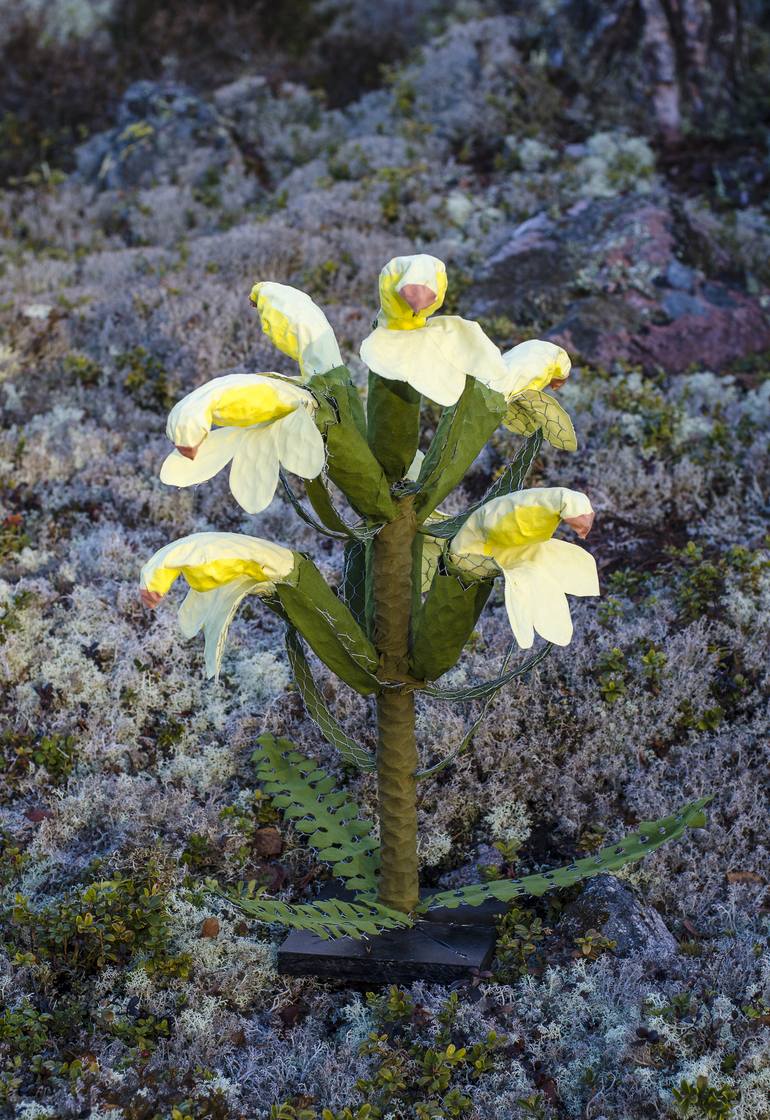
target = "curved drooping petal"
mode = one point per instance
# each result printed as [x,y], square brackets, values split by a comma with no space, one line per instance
[297,327]
[212,612]
[534,364]
[220,569]
[300,444]
[533,409]
[254,473]
[411,289]
[436,359]
[519,520]
[210,560]
[536,604]
[235,400]
[212,455]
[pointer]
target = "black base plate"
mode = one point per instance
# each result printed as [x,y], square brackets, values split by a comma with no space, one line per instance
[431,951]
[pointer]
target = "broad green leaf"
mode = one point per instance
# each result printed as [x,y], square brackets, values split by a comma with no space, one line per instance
[357,589]
[349,460]
[445,622]
[325,815]
[393,424]
[650,835]
[317,708]
[328,626]
[320,499]
[460,436]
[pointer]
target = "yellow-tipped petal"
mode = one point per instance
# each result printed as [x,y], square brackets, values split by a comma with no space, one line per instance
[209,560]
[297,327]
[535,365]
[411,289]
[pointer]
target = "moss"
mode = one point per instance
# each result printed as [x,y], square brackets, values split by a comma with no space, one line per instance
[146,379]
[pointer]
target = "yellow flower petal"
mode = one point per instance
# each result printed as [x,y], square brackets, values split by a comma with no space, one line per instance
[209,560]
[297,327]
[406,287]
[534,364]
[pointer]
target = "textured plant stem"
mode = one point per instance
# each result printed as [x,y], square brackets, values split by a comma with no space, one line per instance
[396,744]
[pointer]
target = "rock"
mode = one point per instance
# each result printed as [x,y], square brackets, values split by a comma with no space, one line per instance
[268,842]
[606,280]
[164,134]
[608,905]
[210,927]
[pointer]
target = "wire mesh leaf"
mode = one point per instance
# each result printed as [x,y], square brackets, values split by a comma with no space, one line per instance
[460,436]
[329,627]
[316,707]
[308,518]
[445,622]
[512,478]
[535,409]
[327,919]
[327,817]
[650,835]
[488,688]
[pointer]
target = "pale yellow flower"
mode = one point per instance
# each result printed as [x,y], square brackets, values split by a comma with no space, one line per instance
[297,327]
[434,356]
[514,533]
[220,569]
[531,367]
[265,422]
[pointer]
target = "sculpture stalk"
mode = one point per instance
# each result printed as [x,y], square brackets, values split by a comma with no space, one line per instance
[396,743]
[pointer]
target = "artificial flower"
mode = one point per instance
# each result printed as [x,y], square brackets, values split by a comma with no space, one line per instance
[297,327]
[532,367]
[514,533]
[265,422]
[220,568]
[434,356]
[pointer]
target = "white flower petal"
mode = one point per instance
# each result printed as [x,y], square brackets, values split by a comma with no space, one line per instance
[534,364]
[297,327]
[300,444]
[254,473]
[214,453]
[213,611]
[572,567]
[436,358]
[518,604]
[536,604]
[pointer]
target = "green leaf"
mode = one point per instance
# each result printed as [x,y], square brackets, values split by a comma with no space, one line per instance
[326,816]
[445,622]
[317,709]
[488,688]
[319,526]
[460,436]
[349,460]
[393,424]
[357,589]
[512,478]
[320,499]
[651,835]
[328,626]
[326,918]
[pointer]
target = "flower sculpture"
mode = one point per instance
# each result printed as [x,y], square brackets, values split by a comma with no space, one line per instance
[414,579]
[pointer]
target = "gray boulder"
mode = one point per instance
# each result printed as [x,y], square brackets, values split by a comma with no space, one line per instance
[609,906]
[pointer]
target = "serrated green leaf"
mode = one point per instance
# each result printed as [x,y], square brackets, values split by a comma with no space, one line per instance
[326,816]
[327,919]
[650,835]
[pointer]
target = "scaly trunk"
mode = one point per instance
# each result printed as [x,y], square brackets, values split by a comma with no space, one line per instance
[396,743]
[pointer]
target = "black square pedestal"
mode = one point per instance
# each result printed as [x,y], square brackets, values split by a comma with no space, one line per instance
[449,945]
